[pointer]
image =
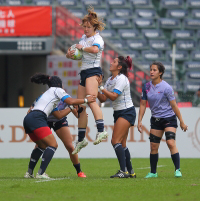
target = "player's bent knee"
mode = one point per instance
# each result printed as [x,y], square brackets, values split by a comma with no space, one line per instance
[170,135]
[154,139]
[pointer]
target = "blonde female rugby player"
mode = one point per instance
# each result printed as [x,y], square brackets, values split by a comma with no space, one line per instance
[92,46]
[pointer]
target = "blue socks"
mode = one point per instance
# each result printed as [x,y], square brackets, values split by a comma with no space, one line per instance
[176,160]
[120,156]
[128,160]
[100,125]
[153,162]
[77,167]
[35,156]
[46,158]
[81,134]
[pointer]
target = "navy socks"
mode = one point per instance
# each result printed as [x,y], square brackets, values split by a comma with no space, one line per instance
[128,160]
[176,160]
[81,134]
[120,156]
[100,125]
[35,156]
[153,162]
[46,158]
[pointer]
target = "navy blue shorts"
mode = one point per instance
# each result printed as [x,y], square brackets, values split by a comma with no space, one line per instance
[58,124]
[129,114]
[162,123]
[89,73]
[33,120]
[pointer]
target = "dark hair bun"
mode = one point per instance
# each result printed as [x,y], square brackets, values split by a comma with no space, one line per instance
[128,60]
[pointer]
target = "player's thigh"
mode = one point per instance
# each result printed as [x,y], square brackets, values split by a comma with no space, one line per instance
[120,129]
[48,141]
[158,133]
[81,92]
[92,85]
[64,134]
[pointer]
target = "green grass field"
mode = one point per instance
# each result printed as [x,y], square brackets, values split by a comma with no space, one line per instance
[98,186]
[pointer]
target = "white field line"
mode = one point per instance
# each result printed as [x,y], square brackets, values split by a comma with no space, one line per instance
[51,179]
[149,167]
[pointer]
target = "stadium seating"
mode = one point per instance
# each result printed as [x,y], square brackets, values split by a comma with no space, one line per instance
[177,14]
[95,3]
[192,65]
[43,2]
[68,3]
[191,86]
[118,4]
[186,44]
[146,13]
[191,23]
[141,4]
[109,33]
[139,44]
[129,33]
[142,23]
[171,3]
[195,13]
[193,3]
[152,55]
[180,55]
[119,23]
[77,13]
[14,2]
[122,13]
[102,13]
[195,55]
[169,23]
[182,34]
[159,44]
[153,33]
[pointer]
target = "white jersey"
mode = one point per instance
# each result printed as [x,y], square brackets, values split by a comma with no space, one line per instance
[50,99]
[91,60]
[120,84]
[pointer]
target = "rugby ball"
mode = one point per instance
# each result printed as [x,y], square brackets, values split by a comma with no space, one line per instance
[78,53]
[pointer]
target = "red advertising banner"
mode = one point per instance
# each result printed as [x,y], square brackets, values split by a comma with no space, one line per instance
[25,21]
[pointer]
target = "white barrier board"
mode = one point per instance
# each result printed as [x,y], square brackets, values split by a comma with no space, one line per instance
[14,143]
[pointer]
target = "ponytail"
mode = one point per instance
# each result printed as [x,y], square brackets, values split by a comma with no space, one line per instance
[51,81]
[126,64]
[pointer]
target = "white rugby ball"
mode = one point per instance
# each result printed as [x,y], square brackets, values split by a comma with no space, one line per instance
[78,53]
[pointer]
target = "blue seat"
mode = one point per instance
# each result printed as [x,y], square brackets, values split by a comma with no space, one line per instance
[191,86]
[182,34]
[145,65]
[135,55]
[119,23]
[167,75]
[172,4]
[186,44]
[152,55]
[109,33]
[43,2]
[198,34]
[176,86]
[167,65]
[192,65]
[146,13]
[119,44]
[192,24]
[124,13]
[153,33]
[193,3]
[141,3]
[129,33]
[94,3]
[68,3]
[14,2]
[159,44]
[181,55]
[195,13]
[195,55]
[77,12]
[103,13]
[169,23]
[144,23]
[139,44]
[177,13]
[117,4]
[193,76]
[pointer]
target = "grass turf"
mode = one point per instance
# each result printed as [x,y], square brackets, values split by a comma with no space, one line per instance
[98,186]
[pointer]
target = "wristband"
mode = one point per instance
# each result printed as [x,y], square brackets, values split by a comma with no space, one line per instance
[101,88]
[82,48]
[85,100]
[71,107]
